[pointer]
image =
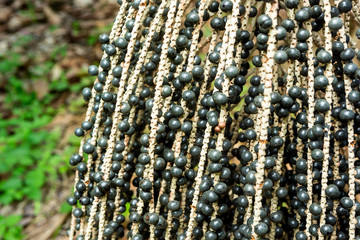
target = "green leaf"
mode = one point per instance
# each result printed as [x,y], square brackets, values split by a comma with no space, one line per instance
[6,199]
[35,178]
[127,213]
[10,228]
[65,208]
[11,183]
[33,193]
[13,220]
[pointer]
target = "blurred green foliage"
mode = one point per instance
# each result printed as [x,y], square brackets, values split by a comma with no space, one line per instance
[27,146]
[10,228]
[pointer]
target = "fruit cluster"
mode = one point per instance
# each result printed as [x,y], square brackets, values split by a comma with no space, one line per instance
[251,132]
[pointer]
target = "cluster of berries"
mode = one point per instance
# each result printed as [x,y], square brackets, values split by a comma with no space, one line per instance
[223,119]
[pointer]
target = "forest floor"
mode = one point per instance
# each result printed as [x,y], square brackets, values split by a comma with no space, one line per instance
[45,49]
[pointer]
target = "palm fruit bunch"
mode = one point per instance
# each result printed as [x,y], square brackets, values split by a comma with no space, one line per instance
[226,119]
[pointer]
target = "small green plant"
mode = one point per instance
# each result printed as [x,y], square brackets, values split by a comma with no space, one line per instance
[27,145]
[10,228]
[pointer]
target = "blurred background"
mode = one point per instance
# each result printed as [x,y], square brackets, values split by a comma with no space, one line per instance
[45,49]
